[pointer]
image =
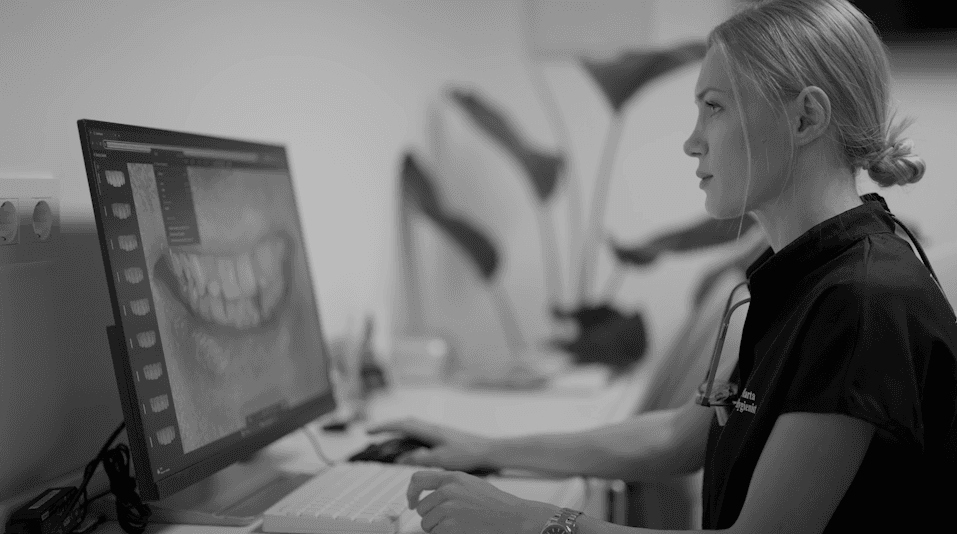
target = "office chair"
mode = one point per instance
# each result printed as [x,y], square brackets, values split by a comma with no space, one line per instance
[676,503]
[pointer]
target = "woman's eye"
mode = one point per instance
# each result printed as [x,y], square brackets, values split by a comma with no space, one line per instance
[712,105]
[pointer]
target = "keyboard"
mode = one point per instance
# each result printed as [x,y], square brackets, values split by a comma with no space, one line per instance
[361,497]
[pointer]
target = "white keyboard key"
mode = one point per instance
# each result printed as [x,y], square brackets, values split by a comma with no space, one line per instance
[361,497]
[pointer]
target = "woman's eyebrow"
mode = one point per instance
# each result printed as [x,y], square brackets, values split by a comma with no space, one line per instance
[704,91]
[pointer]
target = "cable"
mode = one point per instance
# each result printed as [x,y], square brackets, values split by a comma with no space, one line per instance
[131,512]
[316,446]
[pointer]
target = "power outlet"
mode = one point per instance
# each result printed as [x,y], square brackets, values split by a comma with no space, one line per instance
[9,221]
[29,217]
[37,216]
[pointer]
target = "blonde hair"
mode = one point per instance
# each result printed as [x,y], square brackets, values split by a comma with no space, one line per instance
[779,47]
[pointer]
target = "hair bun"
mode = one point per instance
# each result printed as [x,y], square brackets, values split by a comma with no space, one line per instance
[896,165]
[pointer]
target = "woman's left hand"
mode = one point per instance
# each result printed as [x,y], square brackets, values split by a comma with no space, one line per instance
[463,504]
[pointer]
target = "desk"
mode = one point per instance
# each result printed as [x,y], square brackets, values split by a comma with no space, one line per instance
[564,406]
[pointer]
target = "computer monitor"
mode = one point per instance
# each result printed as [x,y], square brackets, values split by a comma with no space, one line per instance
[217,345]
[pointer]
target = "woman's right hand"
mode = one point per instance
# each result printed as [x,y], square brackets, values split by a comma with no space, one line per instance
[452,449]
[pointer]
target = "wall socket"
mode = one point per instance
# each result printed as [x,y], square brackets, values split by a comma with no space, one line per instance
[29,217]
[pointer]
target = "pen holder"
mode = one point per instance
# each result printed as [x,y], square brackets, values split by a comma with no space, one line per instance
[346,380]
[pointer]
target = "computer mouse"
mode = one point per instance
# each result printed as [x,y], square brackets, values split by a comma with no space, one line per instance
[387,451]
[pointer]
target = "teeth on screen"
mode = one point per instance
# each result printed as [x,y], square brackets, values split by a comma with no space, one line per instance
[134,275]
[127,242]
[115,178]
[121,211]
[159,403]
[166,435]
[240,291]
[140,307]
[153,371]
[146,339]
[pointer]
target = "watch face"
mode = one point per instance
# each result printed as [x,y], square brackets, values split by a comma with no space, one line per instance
[555,529]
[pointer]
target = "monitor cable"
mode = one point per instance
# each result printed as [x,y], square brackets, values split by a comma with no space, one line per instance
[317,446]
[131,512]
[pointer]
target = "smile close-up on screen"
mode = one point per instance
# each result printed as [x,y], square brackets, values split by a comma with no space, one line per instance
[234,310]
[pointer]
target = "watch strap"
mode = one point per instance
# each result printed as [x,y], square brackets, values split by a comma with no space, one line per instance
[565,517]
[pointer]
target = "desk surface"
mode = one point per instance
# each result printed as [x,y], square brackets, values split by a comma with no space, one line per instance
[573,402]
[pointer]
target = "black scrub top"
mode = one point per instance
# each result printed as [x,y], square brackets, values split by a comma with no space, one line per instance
[846,319]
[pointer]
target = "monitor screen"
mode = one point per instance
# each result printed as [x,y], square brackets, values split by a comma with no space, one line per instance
[218,346]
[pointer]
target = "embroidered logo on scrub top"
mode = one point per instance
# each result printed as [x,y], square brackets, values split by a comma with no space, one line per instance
[743,404]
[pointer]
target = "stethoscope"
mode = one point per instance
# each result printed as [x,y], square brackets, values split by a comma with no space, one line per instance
[724,395]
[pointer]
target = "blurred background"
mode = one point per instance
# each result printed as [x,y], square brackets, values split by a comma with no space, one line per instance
[367,95]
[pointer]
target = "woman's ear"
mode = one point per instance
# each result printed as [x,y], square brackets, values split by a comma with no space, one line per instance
[812,115]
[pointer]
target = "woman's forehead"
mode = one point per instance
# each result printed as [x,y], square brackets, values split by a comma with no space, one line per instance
[713,74]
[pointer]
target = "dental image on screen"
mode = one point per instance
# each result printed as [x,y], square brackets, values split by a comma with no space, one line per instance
[234,303]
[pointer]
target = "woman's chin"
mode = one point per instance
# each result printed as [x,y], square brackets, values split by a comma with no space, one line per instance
[718,210]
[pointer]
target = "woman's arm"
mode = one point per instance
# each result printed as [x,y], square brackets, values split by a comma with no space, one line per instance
[804,470]
[647,446]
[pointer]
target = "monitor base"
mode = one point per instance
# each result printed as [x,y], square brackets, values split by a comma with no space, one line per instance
[235,497]
[227,509]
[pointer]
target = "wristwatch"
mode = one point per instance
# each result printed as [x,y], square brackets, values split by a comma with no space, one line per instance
[562,523]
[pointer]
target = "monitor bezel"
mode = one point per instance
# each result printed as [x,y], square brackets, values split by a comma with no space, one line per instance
[149,487]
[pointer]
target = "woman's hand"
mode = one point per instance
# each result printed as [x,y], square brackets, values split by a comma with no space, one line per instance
[451,449]
[463,504]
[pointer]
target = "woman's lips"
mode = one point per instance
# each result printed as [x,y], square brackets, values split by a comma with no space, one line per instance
[238,293]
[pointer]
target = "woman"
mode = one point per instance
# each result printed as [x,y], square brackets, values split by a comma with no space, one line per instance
[846,369]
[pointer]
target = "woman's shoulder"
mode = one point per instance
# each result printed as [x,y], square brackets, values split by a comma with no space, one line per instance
[880,266]
[880,283]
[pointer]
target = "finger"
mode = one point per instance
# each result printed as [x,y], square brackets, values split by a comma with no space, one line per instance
[426,480]
[412,427]
[431,522]
[408,458]
[416,457]
[388,426]
[446,525]
[427,506]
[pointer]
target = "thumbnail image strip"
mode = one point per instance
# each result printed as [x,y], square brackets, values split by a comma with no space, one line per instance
[115,178]
[146,339]
[127,242]
[121,210]
[166,435]
[159,403]
[140,307]
[153,371]
[134,275]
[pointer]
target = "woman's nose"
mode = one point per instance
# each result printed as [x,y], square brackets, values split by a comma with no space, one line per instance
[692,145]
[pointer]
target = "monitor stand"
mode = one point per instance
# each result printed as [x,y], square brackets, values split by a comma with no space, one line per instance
[236,496]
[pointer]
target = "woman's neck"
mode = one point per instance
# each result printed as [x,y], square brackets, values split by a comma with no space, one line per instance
[815,197]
